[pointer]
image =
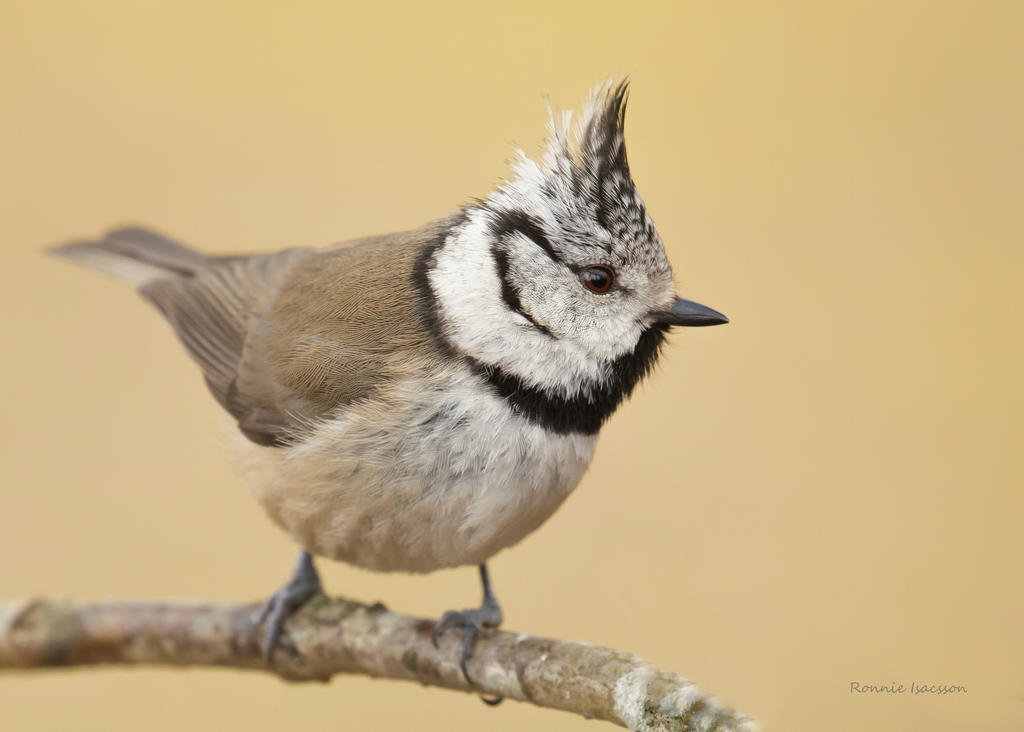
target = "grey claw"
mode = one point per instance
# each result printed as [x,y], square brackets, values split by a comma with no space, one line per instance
[304,583]
[468,636]
[265,611]
[276,609]
[471,622]
[449,620]
[488,615]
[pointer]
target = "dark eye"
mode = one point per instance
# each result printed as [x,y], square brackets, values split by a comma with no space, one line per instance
[596,279]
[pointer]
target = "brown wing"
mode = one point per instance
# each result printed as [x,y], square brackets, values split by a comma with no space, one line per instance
[283,339]
[216,313]
[347,329]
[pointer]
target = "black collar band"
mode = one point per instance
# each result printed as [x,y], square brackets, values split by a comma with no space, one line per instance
[583,414]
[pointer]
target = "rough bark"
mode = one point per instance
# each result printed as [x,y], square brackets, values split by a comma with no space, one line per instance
[331,636]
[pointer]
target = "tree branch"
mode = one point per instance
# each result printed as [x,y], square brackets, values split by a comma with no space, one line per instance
[330,636]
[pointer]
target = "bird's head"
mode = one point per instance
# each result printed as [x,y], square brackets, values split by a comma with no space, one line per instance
[559,280]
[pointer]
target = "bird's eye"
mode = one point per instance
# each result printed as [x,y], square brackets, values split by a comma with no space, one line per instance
[596,279]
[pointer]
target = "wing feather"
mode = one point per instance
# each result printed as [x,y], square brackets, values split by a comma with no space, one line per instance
[284,339]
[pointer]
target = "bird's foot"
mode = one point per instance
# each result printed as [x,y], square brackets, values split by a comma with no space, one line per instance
[302,585]
[487,616]
[471,622]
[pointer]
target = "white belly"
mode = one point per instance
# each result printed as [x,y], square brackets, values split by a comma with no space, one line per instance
[435,476]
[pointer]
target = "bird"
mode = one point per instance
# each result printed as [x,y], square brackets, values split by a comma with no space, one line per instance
[425,399]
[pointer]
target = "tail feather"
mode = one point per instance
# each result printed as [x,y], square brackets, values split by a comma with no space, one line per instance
[136,256]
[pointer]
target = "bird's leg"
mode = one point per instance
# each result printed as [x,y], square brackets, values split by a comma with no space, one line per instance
[488,615]
[302,585]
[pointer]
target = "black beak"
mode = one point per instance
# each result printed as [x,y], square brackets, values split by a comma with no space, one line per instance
[689,313]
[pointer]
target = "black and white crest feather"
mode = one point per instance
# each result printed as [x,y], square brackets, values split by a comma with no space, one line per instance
[597,160]
[592,154]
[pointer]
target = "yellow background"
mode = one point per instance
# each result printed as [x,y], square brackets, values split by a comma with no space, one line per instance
[826,490]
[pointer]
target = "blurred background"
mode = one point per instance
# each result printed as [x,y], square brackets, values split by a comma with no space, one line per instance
[827,490]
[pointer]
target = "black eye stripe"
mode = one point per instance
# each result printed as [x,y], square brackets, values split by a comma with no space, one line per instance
[509,222]
[508,291]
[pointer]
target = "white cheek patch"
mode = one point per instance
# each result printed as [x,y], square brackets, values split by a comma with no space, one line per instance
[477,321]
[553,294]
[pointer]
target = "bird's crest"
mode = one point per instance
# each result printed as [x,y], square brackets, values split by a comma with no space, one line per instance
[592,148]
[582,174]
